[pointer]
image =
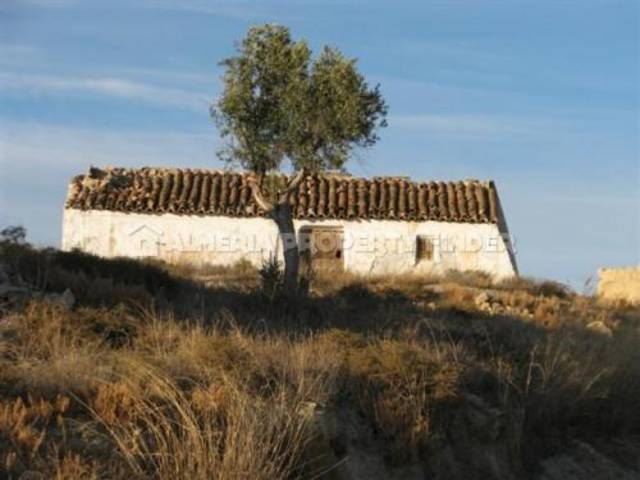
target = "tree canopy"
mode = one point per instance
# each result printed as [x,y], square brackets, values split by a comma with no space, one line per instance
[278,103]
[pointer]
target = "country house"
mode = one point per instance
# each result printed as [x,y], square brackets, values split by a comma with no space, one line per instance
[379,226]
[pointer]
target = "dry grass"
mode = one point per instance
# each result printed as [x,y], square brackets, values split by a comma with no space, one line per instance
[163,431]
[195,382]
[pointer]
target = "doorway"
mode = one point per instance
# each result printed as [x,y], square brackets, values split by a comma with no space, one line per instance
[322,248]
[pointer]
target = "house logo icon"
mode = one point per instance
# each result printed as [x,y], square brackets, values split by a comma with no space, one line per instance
[145,241]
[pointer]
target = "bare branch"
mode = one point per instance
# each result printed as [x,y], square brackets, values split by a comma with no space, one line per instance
[256,192]
[293,184]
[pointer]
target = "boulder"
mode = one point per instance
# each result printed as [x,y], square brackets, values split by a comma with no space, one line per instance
[582,461]
[65,299]
[322,459]
[481,442]
[483,300]
[342,447]
[601,328]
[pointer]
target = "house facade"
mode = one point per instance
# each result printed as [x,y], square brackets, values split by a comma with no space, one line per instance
[378,226]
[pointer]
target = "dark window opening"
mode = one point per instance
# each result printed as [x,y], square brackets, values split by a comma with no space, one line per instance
[424,248]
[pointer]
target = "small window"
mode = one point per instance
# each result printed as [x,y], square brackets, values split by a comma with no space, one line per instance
[424,248]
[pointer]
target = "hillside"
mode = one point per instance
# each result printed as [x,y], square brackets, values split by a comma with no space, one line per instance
[150,371]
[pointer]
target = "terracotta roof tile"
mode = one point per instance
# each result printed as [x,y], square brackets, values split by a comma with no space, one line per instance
[212,192]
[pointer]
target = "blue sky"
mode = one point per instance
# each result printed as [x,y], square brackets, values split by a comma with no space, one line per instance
[541,96]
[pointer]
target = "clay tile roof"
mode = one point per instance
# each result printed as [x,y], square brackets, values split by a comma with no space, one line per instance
[213,192]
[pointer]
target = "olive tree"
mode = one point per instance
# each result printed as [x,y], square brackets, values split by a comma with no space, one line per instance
[279,105]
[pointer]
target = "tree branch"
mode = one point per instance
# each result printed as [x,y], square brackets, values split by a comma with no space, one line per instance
[256,192]
[293,184]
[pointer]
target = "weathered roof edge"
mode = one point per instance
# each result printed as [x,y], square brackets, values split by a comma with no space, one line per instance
[157,190]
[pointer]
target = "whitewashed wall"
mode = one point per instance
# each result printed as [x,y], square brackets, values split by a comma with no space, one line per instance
[371,246]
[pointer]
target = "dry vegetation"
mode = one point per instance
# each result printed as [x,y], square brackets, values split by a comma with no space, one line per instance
[174,373]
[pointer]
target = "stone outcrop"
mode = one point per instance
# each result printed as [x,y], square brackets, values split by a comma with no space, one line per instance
[15,292]
[619,284]
[479,444]
[582,461]
[490,302]
[600,327]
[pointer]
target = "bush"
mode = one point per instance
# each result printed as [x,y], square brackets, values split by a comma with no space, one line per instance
[271,278]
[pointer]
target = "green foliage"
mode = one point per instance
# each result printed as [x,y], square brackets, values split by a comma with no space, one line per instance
[12,244]
[13,234]
[271,278]
[280,104]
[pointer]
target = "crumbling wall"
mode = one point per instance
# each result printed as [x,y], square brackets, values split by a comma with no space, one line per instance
[617,284]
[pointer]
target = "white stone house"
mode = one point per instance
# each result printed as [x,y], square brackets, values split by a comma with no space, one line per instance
[379,226]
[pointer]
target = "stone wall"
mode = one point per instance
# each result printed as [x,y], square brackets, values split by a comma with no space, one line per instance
[616,284]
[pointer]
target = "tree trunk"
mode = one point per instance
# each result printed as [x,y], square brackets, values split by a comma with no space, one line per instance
[282,214]
[284,219]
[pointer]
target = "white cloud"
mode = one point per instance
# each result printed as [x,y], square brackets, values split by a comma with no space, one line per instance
[103,86]
[235,10]
[206,78]
[462,124]
[29,146]
[38,4]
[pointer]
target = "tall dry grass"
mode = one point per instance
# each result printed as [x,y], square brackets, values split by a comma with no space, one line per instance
[215,429]
[197,382]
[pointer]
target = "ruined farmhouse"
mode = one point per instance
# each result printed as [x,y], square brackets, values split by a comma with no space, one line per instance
[379,226]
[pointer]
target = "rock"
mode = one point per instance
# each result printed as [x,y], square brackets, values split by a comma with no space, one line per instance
[6,289]
[583,461]
[619,284]
[485,422]
[323,460]
[66,299]
[478,443]
[482,300]
[11,295]
[435,288]
[343,447]
[6,286]
[15,292]
[601,328]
